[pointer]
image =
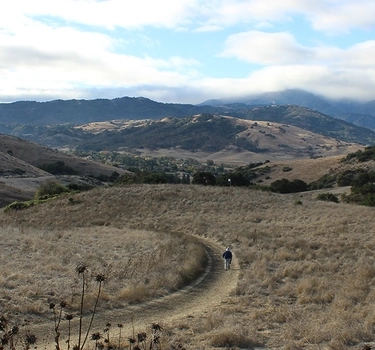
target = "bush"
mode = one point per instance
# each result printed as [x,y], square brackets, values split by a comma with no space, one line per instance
[286,186]
[229,339]
[232,179]
[203,178]
[18,205]
[58,168]
[346,178]
[326,181]
[330,197]
[50,189]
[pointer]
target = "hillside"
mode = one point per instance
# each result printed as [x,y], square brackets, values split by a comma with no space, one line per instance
[33,120]
[291,286]
[85,111]
[260,131]
[358,113]
[20,172]
[310,120]
[220,138]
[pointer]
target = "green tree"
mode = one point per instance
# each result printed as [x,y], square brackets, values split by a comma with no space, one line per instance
[50,189]
[204,178]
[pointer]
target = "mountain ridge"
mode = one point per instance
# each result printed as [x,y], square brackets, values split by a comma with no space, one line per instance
[84,111]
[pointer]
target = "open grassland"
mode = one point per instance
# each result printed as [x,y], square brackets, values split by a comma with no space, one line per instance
[306,268]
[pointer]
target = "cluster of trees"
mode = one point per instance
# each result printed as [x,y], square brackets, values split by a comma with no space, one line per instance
[361,155]
[151,171]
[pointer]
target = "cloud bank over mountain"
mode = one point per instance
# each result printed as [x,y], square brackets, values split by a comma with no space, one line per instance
[185,51]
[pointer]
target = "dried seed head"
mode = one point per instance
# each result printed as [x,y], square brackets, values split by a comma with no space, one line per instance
[131,340]
[95,336]
[63,303]
[52,306]
[5,339]
[3,323]
[15,330]
[68,317]
[100,278]
[142,337]
[156,327]
[30,339]
[155,339]
[81,268]
[119,325]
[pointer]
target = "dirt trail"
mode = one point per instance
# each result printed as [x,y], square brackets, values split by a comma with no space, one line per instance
[213,287]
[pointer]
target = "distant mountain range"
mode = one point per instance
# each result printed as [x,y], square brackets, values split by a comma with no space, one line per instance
[85,111]
[53,123]
[362,114]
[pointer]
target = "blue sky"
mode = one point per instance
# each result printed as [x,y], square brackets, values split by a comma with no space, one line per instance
[185,51]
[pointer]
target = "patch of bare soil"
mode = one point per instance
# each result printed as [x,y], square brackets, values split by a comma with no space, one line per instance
[194,301]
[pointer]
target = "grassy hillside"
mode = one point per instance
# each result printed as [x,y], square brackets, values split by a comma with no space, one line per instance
[310,120]
[306,278]
[21,172]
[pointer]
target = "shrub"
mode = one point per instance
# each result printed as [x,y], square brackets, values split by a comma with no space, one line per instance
[286,186]
[330,197]
[18,205]
[58,168]
[232,339]
[232,179]
[79,187]
[346,178]
[49,189]
[204,178]
[326,181]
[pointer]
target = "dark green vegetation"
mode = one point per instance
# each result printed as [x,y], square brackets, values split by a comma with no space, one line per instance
[190,133]
[58,168]
[326,196]
[85,111]
[311,120]
[52,124]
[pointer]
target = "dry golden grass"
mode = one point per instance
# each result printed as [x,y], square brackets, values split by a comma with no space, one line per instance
[307,272]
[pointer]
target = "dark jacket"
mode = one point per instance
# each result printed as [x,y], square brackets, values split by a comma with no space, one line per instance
[227,254]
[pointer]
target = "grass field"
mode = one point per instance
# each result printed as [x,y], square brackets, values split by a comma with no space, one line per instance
[306,268]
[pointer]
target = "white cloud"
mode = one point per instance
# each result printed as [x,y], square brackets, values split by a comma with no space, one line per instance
[110,13]
[324,15]
[265,48]
[341,16]
[44,52]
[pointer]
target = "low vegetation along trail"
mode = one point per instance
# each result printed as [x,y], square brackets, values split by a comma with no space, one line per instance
[194,301]
[213,287]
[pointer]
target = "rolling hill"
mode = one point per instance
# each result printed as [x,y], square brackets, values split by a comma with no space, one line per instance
[213,136]
[20,172]
[28,119]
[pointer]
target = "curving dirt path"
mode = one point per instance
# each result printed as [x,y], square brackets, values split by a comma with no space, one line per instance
[213,287]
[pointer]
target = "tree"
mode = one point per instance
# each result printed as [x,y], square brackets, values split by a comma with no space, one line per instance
[232,179]
[204,178]
[286,186]
[50,189]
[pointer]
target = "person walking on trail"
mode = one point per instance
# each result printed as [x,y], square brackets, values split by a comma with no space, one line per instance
[227,255]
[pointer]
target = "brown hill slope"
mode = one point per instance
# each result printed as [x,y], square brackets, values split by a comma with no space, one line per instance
[37,155]
[241,141]
[19,172]
[305,278]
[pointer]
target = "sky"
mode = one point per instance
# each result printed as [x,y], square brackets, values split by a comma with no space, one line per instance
[185,51]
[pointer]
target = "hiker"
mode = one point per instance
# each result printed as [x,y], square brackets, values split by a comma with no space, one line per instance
[227,255]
